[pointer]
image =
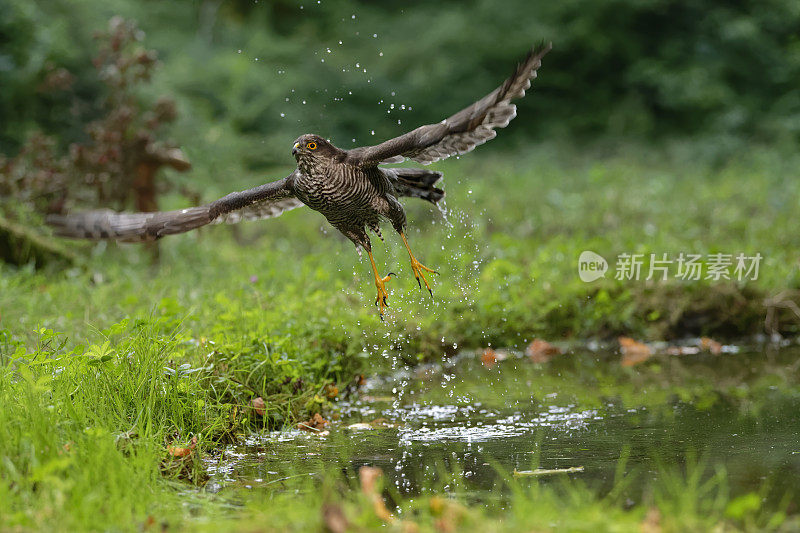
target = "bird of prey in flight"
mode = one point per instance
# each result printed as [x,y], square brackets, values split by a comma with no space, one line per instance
[349,187]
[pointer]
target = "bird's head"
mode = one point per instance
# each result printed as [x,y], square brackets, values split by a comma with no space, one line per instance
[310,147]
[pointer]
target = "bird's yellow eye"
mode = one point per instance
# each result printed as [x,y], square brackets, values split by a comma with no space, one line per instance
[311,146]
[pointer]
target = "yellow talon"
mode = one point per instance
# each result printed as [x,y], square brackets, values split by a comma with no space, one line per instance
[380,284]
[418,267]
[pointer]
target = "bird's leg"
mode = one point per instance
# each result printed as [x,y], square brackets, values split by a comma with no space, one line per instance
[418,267]
[380,285]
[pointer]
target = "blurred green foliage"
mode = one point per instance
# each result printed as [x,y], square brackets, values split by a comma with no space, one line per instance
[264,72]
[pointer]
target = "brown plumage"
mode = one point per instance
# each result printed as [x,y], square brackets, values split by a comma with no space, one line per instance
[347,186]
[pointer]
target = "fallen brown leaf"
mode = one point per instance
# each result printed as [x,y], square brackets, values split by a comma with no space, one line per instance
[633,352]
[182,451]
[541,351]
[489,358]
[259,406]
[315,423]
[710,345]
[369,476]
[181,462]
[149,522]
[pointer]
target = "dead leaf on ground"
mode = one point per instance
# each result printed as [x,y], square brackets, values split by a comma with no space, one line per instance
[182,451]
[541,351]
[489,358]
[182,462]
[369,477]
[710,345]
[259,406]
[633,352]
[334,519]
[315,423]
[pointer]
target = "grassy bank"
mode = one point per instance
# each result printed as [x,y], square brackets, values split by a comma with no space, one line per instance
[104,367]
[93,440]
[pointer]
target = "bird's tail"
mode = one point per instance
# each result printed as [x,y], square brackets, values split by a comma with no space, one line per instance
[419,183]
[128,227]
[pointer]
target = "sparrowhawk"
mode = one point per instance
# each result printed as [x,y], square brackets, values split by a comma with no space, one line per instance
[349,187]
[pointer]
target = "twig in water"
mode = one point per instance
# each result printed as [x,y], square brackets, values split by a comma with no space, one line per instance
[544,472]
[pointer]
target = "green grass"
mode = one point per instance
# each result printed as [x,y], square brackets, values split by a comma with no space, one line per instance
[508,263]
[691,499]
[152,356]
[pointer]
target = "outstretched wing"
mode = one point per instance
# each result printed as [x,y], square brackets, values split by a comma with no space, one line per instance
[266,201]
[461,132]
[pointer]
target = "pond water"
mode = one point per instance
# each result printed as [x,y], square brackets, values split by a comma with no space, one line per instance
[458,426]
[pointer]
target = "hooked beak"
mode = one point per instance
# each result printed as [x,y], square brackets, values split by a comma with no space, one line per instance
[295,148]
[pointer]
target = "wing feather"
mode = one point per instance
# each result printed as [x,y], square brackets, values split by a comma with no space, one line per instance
[462,132]
[266,201]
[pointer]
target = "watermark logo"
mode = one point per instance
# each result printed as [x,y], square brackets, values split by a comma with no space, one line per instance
[660,267]
[591,266]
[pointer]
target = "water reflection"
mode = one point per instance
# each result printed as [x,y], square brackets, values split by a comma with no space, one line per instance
[748,420]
